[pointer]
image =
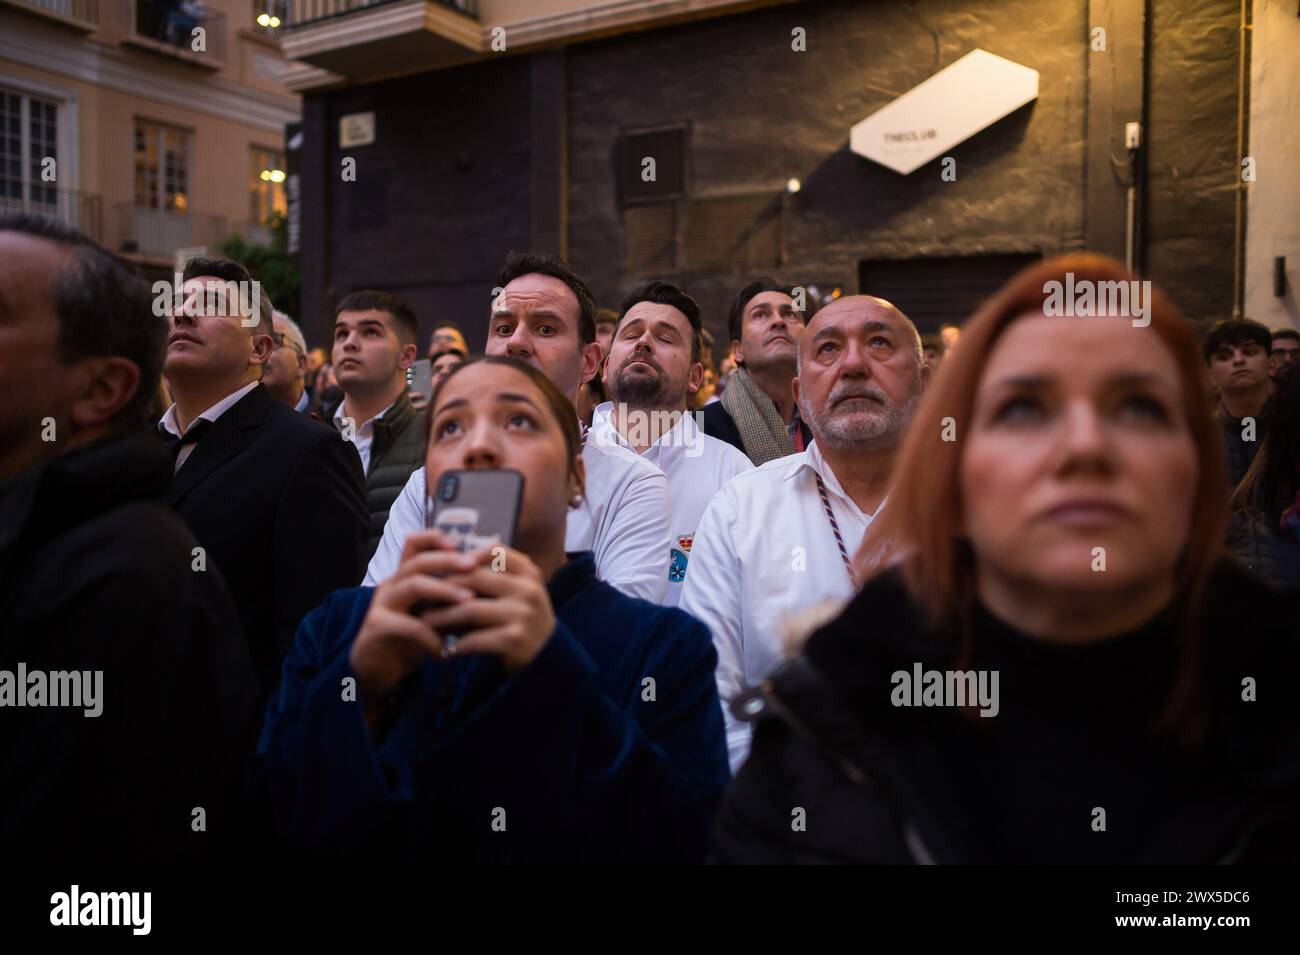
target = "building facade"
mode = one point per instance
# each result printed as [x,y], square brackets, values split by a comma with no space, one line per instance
[156,126]
[439,135]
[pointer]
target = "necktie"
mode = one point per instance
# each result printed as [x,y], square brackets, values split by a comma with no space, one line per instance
[173,444]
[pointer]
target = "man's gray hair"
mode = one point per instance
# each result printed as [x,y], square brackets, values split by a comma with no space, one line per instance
[293,332]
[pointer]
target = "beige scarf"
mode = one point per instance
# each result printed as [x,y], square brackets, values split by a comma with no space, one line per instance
[762,432]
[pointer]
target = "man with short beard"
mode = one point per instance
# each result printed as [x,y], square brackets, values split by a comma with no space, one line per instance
[652,368]
[757,412]
[778,540]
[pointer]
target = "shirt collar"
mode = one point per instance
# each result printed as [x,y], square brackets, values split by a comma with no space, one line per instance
[168,422]
[339,416]
[814,462]
[603,424]
[303,401]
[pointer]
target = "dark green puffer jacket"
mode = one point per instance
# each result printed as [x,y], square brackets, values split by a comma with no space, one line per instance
[398,449]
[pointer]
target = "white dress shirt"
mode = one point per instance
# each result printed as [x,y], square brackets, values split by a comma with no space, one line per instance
[364,435]
[212,414]
[623,519]
[696,466]
[303,402]
[764,550]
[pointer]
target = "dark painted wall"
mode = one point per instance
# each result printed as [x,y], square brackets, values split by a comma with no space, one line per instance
[438,198]
[435,228]
[762,113]
[1191,162]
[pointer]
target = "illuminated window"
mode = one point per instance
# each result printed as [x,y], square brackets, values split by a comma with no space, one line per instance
[162,167]
[266,185]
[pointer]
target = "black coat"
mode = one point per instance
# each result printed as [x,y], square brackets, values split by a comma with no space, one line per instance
[96,574]
[277,500]
[1268,551]
[838,773]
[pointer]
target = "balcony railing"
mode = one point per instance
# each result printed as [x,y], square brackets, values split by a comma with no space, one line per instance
[305,12]
[168,27]
[82,210]
[83,14]
[157,234]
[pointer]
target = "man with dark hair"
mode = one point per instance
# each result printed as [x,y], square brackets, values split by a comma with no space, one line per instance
[1237,355]
[374,346]
[543,314]
[758,413]
[258,484]
[651,371]
[127,694]
[447,336]
[443,363]
[1286,352]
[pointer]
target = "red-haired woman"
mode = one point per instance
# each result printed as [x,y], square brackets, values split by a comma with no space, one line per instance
[1048,662]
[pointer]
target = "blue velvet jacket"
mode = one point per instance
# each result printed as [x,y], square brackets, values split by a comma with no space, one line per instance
[607,747]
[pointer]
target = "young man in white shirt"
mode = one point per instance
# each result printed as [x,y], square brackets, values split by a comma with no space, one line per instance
[543,314]
[652,369]
[374,345]
[778,540]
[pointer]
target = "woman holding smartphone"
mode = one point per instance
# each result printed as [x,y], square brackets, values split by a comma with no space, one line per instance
[568,722]
[1049,661]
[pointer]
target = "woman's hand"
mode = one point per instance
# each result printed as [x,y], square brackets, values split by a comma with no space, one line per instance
[393,642]
[511,616]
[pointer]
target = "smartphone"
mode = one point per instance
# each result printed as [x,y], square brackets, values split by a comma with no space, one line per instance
[475,509]
[421,376]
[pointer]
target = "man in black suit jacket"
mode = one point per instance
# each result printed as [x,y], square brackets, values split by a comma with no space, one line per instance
[259,485]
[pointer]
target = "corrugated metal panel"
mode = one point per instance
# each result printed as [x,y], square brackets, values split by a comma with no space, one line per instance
[733,232]
[649,234]
[939,291]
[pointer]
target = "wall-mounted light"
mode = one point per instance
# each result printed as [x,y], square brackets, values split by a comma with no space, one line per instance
[792,186]
[271,175]
[268,20]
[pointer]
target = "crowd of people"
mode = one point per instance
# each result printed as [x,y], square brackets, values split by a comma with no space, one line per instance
[726,572]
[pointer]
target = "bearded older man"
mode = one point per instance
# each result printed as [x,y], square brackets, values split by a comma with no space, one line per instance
[776,541]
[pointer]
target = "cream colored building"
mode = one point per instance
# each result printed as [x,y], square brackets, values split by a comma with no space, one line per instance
[153,125]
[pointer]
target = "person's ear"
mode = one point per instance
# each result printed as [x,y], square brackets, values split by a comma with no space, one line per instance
[927,372]
[406,356]
[590,362]
[263,346]
[302,365]
[794,389]
[109,382]
[695,379]
[737,352]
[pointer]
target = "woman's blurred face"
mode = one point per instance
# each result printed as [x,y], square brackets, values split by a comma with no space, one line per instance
[1078,457]
[490,416]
